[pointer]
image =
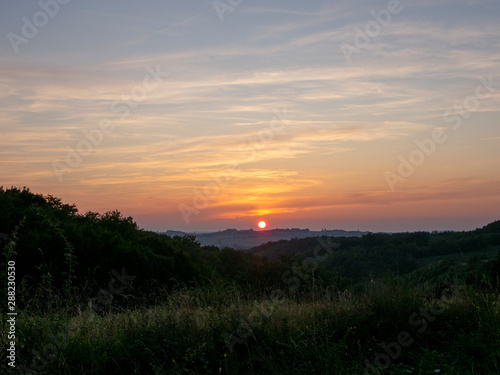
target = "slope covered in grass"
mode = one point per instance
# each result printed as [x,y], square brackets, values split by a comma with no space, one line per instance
[95,294]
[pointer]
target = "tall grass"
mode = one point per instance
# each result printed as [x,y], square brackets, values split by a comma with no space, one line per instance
[331,332]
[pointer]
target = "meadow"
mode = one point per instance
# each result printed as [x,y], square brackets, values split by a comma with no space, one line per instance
[97,295]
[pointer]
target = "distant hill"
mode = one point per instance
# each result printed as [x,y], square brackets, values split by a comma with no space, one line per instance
[424,254]
[56,248]
[247,239]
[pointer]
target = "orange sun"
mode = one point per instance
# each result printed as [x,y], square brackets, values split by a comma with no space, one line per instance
[262,224]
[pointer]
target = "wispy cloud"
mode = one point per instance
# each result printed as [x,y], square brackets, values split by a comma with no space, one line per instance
[225,81]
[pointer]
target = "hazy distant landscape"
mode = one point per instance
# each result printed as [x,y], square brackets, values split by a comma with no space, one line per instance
[246,239]
[96,294]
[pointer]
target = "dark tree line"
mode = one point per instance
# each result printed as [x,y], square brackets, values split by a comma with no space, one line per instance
[61,251]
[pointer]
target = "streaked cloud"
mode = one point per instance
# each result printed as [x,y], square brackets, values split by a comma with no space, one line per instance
[348,121]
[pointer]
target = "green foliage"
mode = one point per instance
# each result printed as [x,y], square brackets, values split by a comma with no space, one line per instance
[80,251]
[99,295]
[333,333]
[358,259]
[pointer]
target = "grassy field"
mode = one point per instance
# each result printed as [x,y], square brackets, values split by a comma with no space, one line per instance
[391,327]
[95,294]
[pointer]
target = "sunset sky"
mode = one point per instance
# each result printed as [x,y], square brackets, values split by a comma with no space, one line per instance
[200,115]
